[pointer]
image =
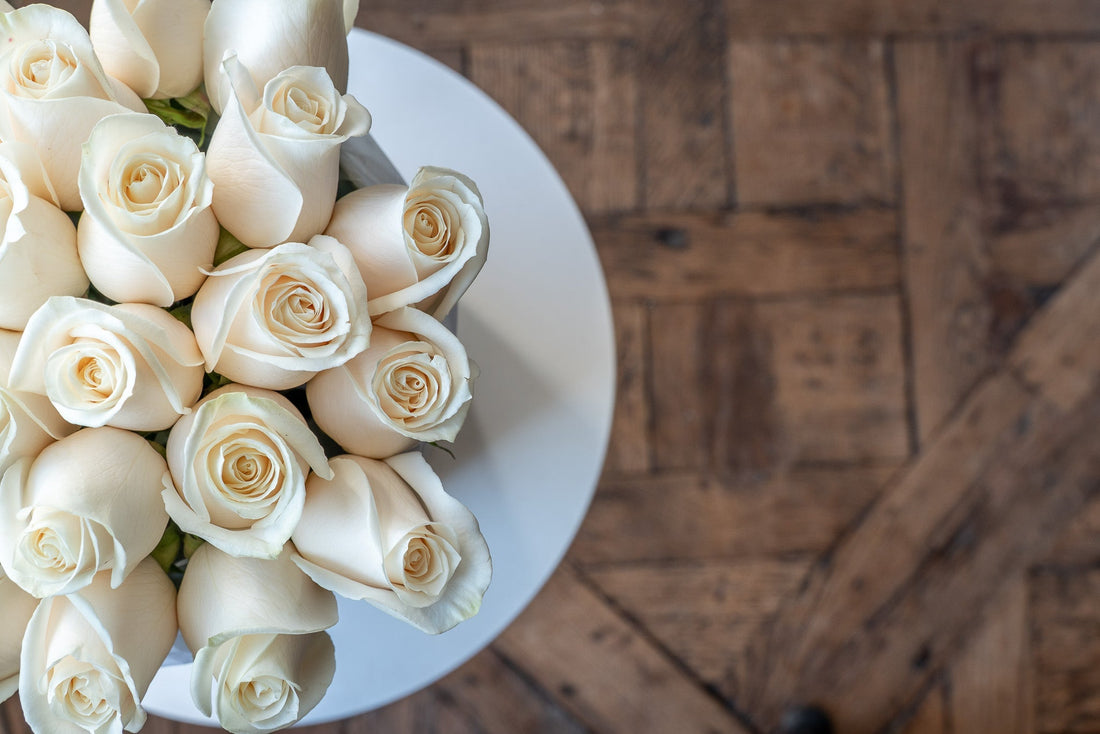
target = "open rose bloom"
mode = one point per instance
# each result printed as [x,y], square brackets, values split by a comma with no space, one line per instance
[221,350]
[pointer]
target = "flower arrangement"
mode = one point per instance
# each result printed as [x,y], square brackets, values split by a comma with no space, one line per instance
[218,359]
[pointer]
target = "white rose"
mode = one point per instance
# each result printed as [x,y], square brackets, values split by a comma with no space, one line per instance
[240,461]
[152,46]
[16,608]
[387,532]
[271,35]
[28,422]
[412,384]
[262,661]
[88,503]
[130,365]
[53,91]
[275,318]
[147,232]
[289,140]
[88,658]
[38,256]
[421,245]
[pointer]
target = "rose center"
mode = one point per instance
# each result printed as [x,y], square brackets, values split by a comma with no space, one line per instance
[40,66]
[296,312]
[409,383]
[431,231]
[82,696]
[264,693]
[47,551]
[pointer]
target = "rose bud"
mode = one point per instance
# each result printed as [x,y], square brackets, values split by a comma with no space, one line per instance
[262,661]
[16,608]
[152,46]
[419,245]
[412,384]
[148,232]
[55,90]
[28,422]
[239,462]
[275,318]
[386,532]
[288,139]
[89,658]
[38,256]
[130,366]
[89,502]
[271,35]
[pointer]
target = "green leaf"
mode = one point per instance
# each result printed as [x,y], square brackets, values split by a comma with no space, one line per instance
[192,112]
[168,548]
[191,543]
[182,313]
[228,246]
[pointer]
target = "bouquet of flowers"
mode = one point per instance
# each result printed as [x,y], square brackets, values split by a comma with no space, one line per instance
[218,360]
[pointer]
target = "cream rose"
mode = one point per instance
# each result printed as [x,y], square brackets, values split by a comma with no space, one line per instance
[275,318]
[130,366]
[240,462]
[147,233]
[271,35]
[88,503]
[38,256]
[16,608]
[387,532]
[262,661]
[290,140]
[412,384]
[417,245]
[28,422]
[88,658]
[152,46]
[53,91]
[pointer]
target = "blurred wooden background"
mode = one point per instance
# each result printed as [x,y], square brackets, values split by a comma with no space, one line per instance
[852,250]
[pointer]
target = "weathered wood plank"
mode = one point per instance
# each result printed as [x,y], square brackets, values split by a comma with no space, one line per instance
[981,505]
[682,105]
[449,22]
[499,701]
[1048,109]
[706,613]
[413,714]
[1059,352]
[630,449]
[690,516]
[1044,245]
[748,253]
[991,685]
[839,377]
[749,19]
[578,101]
[1065,635]
[944,262]
[601,670]
[11,717]
[678,335]
[932,716]
[811,122]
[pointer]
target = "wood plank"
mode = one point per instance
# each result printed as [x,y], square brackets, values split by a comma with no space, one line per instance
[1065,635]
[11,717]
[839,377]
[1042,247]
[944,262]
[981,505]
[1059,352]
[991,682]
[578,101]
[491,694]
[748,253]
[932,716]
[691,516]
[1047,96]
[811,122]
[682,105]
[601,670]
[630,449]
[749,19]
[706,613]
[678,335]
[449,22]
[413,714]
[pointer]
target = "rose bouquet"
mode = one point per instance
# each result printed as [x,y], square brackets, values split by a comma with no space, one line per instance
[221,347]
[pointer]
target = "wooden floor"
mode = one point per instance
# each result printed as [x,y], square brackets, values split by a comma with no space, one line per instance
[852,251]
